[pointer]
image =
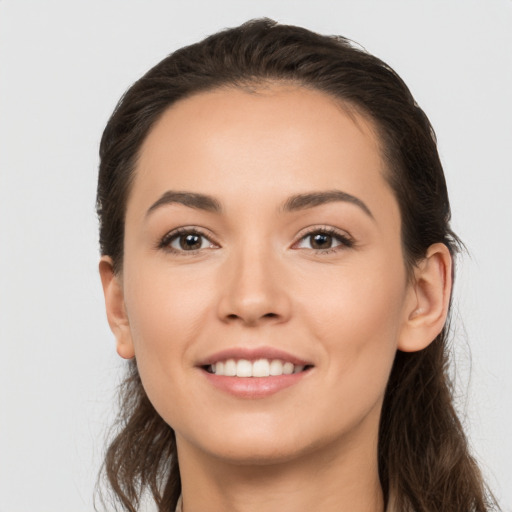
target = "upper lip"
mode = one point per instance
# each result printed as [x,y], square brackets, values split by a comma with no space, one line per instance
[253,354]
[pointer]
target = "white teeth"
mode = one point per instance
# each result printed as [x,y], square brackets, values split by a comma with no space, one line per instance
[261,368]
[287,368]
[230,368]
[243,368]
[276,367]
[258,368]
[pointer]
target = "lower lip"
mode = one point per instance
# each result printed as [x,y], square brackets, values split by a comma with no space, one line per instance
[254,387]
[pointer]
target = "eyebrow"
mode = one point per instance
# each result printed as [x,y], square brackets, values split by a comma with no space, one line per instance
[190,199]
[292,204]
[312,199]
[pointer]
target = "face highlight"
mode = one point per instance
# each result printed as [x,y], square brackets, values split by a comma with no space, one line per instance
[263,283]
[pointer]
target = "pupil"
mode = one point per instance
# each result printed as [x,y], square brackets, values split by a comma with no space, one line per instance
[190,242]
[320,241]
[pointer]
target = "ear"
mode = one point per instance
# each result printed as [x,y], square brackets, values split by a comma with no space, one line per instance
[428,300]
[115,306]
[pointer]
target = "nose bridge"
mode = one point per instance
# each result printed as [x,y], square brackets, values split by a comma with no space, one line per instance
[253,288]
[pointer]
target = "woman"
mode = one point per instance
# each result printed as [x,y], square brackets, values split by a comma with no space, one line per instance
[277,265]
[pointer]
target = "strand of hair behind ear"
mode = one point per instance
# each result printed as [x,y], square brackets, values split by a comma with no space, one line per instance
[424,459]
[141,457]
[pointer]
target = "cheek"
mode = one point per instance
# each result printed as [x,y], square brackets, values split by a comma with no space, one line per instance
[360,299]
[166,314]
[165,306]
[358,322]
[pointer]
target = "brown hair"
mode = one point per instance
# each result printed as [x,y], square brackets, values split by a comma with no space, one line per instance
[424,461]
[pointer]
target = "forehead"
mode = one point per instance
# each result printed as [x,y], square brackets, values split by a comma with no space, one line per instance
[272,140]
[267,109]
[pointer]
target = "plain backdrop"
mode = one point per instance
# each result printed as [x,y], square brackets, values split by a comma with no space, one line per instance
[63,66]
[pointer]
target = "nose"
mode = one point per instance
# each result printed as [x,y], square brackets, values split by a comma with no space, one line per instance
[253,289]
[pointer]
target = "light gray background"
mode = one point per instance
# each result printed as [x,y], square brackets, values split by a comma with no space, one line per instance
[64,64]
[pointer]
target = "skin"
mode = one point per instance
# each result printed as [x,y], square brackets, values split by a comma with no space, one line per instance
[258,281]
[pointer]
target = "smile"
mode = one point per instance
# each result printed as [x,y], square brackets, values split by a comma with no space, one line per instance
[258,368]
[254,373]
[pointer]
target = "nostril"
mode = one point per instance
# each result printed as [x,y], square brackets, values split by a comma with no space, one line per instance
[233,316]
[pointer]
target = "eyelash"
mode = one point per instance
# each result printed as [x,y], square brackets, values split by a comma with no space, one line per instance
[344,240]
[170,237]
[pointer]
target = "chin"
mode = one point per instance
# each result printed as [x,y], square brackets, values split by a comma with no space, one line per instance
[246,445]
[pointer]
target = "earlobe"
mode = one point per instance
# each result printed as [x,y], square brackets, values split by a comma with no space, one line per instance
[115,308]
[429,298]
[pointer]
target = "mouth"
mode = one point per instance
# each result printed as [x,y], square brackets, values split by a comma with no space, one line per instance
[257,368]
[255,372]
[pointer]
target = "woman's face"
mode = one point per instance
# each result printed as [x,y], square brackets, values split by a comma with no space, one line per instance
[260,227]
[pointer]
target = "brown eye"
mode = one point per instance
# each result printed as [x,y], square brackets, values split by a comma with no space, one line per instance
[320,241]
[186,241]
[190,242]
[324,240]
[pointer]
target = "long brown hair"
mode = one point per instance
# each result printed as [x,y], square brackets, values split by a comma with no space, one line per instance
[423,456]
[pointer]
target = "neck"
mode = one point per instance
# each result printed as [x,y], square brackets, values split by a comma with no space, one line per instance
[332,479]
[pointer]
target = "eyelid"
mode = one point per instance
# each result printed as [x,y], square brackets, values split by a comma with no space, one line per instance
[165,241]
[345,239]
[342,236]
